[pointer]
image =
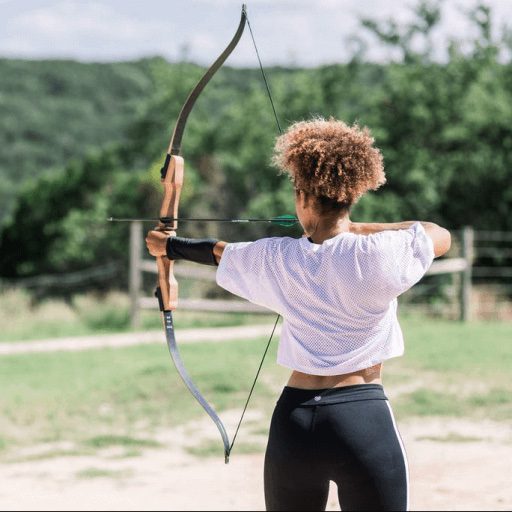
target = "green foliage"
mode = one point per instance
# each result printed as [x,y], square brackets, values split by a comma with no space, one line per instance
[68,210]
[445,130]
[53,111]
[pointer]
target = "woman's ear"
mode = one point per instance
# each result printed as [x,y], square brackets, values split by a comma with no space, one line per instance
[300,203]
[301,198]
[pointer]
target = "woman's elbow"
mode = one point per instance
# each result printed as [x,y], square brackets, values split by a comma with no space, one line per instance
[442,241]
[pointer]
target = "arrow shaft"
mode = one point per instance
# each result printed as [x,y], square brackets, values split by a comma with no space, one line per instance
[288,220]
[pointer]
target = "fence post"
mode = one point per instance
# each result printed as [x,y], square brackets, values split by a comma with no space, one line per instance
[135,273]
[468,238]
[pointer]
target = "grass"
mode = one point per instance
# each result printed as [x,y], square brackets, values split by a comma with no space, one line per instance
[451,437]
[482,348]
[119,398]
[108,441]
[211,449]
[90,473]
[91,314]
[453,369]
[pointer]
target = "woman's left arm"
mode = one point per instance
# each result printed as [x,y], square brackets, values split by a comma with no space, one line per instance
[207,251]
[440,237]
[246,269]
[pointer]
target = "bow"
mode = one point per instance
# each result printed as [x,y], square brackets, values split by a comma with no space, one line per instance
[172,173]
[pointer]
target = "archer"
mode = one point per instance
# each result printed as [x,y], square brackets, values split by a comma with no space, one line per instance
[336,288]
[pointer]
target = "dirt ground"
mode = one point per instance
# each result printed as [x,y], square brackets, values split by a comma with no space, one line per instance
[454,465]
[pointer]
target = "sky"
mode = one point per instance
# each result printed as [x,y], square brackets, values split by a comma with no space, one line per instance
[287,32]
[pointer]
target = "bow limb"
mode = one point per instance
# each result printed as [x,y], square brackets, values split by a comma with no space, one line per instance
[180,366]
[167,289]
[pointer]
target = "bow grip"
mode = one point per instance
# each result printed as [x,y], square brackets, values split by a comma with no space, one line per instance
[172,182]
[167,288]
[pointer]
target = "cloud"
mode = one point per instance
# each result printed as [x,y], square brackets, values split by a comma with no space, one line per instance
[79,29]
[302,32]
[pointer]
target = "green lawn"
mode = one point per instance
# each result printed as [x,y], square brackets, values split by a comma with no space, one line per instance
[121,393]
[107,397]
[457,369]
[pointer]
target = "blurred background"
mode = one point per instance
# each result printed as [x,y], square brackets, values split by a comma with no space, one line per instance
[89,92]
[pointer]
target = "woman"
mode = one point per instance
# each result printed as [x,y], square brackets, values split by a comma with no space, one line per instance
[336,288]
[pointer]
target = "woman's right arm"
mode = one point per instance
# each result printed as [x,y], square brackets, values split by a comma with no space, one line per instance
[440,237]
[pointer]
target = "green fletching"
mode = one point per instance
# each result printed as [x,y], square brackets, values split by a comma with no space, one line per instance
[285,220]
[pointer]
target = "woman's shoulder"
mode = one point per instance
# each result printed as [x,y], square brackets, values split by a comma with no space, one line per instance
[391,238]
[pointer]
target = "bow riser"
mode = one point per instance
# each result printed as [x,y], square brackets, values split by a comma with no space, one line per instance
[172,182]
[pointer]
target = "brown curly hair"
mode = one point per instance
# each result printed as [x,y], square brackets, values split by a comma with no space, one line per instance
[330,160]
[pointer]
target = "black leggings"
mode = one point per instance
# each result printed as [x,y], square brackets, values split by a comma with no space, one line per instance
[347,435]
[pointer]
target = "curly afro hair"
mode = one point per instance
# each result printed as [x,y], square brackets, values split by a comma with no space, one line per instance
[330,160]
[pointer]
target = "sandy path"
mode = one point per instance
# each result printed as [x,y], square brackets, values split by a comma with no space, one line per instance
[77,343]
[470,475]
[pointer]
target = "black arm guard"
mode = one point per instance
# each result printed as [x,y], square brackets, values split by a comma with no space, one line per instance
[199,250]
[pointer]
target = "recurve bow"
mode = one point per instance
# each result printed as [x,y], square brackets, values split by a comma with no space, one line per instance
[172,174]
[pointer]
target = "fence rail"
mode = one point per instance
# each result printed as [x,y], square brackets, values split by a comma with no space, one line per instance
[490,284]
[66,280]
[474,281]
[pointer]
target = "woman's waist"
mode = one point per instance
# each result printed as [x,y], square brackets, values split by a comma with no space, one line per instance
[295,397]
[371,375]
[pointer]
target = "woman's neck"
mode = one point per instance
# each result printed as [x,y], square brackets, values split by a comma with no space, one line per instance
[324,228]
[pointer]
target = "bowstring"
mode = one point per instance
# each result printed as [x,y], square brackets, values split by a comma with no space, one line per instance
[267,87]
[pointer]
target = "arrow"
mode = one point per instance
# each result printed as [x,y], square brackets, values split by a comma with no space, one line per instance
[281,220]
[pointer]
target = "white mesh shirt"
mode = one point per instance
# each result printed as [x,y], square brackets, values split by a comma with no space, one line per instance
[337,299]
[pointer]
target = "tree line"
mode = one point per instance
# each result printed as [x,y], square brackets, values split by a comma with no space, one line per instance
[445,130]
